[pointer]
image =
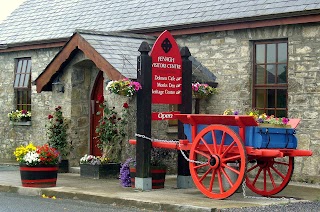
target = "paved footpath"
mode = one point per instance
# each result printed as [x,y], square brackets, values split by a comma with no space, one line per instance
[72,186]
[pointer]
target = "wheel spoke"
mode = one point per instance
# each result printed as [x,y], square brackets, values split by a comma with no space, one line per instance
[205,174]
[212,179]
[208,148]
[227,177]
[202,153]
[257,176]
[271,178]
[232,169]
[200,166]
[264,180]
[233,158]
[220,181]
[228,149]
[222,142]
[278,172]
[253,167]
[214,139]
[281,163]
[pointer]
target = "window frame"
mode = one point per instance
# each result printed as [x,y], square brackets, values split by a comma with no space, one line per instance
[266,86]
[22,93]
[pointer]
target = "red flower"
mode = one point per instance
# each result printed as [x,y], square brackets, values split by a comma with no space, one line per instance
[50,116]
[100,98]
[58,108]
[125,105]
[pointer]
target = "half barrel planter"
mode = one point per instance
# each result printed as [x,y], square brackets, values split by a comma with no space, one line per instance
[39,176]
[103,171]
[158,176]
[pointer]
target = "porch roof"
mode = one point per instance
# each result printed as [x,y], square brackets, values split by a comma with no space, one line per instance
[113,53]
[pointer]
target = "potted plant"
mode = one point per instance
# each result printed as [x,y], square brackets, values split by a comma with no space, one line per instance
[111,130]
[97,167]
[158,170]
[20,117]
[57,137]
[200,91]
[124,87]
[38,165]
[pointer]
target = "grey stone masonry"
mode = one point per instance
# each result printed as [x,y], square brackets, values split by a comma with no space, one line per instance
[228,55]
[12,135]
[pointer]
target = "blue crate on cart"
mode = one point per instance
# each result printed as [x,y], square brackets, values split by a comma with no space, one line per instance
[257,137]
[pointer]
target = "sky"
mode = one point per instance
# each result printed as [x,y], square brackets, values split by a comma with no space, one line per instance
[7,7]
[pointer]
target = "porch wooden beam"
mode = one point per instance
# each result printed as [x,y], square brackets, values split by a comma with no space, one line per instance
[76,42]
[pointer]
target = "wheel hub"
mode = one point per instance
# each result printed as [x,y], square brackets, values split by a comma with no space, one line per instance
[214,161]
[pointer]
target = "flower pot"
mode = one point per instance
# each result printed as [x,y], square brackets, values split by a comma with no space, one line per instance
[39,176]
[63,166]
[158,175]
[25,119]
[274,126]
[103,171]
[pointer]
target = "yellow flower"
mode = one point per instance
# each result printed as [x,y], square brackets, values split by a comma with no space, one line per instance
[21,151]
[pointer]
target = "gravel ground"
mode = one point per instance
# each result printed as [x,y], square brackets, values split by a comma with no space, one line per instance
[292,207]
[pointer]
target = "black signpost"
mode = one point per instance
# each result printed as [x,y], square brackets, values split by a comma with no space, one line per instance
[184,178]
[143,148]
[165,77]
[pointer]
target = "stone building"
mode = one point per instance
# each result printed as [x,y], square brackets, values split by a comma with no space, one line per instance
[264,54]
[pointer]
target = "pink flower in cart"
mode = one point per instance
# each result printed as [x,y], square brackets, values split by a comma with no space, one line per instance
[285,120]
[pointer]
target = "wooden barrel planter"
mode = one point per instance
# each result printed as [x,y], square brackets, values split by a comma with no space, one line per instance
[158,175]
[39,176]
[63,166]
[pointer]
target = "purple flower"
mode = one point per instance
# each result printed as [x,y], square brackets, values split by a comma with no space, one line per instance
[125,179]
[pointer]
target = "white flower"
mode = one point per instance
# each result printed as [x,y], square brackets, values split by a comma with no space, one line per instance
[31,158]
[109,84]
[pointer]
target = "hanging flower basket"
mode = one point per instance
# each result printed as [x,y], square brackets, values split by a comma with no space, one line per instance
[201,91]
[123,87]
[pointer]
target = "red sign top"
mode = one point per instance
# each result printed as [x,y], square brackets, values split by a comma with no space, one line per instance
[166,70]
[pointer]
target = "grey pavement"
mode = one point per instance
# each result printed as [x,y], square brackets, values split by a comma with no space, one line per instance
[109,191]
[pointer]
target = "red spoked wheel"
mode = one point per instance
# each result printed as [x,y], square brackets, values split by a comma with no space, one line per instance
[215,147]
[269,176]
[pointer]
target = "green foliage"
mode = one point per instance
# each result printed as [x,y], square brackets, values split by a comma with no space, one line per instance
[57,132]
[111,131]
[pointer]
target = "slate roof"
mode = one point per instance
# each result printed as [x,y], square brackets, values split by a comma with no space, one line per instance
[38,20]
[120,50]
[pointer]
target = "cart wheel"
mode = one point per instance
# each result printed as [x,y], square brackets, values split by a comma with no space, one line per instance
[214,147]
[269,176]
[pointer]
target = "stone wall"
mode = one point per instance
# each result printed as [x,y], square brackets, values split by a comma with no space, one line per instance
[13,136]
[228,55]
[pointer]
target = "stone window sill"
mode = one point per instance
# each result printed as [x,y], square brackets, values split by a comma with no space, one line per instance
[21,123]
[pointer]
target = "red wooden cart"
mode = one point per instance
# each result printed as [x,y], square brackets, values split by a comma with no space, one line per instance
[226,150]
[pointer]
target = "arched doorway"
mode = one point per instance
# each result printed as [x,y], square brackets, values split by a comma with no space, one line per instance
[96,92]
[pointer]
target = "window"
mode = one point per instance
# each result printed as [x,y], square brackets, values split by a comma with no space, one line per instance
[270,77]
[22,84]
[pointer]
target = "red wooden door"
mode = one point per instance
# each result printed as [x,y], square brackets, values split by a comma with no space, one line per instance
[96,92]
